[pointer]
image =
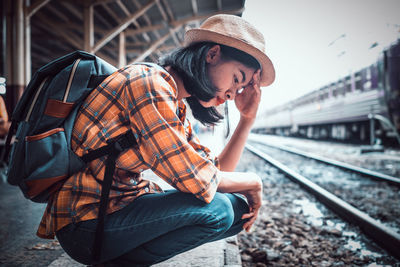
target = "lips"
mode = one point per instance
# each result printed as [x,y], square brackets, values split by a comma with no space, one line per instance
[220,100]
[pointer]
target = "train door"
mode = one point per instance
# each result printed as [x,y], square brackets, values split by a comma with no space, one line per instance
[392,83]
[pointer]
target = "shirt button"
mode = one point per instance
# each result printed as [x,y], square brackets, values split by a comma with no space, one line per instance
[146,190]
[132,181]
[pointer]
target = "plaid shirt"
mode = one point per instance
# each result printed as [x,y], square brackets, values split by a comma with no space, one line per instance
[144,99]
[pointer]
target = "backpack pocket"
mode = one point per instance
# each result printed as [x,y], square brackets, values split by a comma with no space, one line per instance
[46,163]
[46,155]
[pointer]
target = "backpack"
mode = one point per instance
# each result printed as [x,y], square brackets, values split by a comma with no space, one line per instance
[41,157]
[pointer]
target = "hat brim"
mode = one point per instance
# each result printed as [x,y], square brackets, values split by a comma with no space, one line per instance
[201,35]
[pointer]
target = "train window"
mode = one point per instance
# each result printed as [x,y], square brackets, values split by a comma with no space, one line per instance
[357,79]
[342,88]
[331,89]
[374,75]
[366,79]
[323,93]
[368,73]
[348,84]
[334,90]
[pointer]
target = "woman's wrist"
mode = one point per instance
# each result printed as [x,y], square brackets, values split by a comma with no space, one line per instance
[257,182]
[247,121]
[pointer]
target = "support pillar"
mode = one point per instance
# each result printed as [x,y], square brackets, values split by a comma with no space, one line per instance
[15,52]
[19,68]
[3,12]
[27,44]
[89,28]
[121,50]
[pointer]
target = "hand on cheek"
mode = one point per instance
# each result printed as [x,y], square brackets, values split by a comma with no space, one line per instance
[248,100]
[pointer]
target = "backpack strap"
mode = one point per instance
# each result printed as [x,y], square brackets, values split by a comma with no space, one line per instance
[122,142]
[7,146]
[112,150]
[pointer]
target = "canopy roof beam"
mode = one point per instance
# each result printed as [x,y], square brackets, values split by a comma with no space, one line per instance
[114,32]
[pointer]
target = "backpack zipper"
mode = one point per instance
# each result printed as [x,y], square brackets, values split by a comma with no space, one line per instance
[28,115]
[71,77]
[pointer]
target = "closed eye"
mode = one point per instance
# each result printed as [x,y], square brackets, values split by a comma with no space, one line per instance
[243,76]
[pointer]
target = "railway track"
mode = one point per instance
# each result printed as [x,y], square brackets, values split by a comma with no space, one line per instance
[363,171]
[382,234]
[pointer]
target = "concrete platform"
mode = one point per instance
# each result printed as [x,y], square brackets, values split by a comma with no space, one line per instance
[216,254]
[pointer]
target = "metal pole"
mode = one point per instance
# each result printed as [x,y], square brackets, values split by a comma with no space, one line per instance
[371,129]
[3,39]
[27,43]
[19,69]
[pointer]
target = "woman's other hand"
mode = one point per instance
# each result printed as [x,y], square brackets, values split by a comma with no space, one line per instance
[254,198]
[248,100]
[245,183]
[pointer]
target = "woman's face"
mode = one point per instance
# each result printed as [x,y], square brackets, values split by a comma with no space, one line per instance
[228,76]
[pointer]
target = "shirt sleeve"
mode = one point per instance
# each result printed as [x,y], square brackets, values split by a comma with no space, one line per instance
[194,141]
[152,102]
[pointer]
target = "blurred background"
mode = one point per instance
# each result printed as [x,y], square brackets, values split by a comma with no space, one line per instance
[336,94]
[336,61]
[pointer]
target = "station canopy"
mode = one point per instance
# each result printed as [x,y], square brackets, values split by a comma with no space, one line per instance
[119,31]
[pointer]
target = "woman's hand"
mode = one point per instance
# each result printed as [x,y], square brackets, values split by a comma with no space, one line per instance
[254,198]
[248,100]
[248,184]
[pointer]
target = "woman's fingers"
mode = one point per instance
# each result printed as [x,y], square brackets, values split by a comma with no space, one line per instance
[247,215]
[255,82]
[252,216]
[247,225]
[258,76]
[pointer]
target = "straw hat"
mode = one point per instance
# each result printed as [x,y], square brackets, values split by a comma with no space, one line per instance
[234,31]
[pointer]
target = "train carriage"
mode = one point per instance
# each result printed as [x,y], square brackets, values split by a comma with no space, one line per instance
[344,110]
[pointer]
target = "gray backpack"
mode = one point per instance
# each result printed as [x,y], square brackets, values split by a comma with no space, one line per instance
[41,157]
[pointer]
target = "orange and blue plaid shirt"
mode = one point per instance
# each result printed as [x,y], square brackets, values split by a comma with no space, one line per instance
[141,98]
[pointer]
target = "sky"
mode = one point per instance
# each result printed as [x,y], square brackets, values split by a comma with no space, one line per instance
[315,42]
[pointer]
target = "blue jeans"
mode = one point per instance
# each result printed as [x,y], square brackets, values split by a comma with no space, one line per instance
[156,227]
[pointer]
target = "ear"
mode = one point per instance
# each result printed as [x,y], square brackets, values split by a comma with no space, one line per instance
[214,54]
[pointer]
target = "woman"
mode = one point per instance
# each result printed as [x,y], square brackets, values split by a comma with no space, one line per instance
[222,60]
[4,123]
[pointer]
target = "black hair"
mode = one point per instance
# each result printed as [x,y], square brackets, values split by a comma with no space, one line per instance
[191,65]
[230,53]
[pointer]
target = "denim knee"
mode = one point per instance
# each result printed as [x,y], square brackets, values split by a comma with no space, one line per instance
[223,211]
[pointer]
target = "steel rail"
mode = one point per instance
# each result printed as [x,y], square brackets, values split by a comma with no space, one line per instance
[372,174]
[381,234]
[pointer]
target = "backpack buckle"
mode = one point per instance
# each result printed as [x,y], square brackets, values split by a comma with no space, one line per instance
[124,141]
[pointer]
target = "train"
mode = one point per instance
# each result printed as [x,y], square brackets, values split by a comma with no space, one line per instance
[362,107]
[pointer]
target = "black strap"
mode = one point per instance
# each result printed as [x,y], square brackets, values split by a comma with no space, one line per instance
[112,149]
[105,192]
[122,142]
[7,147]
